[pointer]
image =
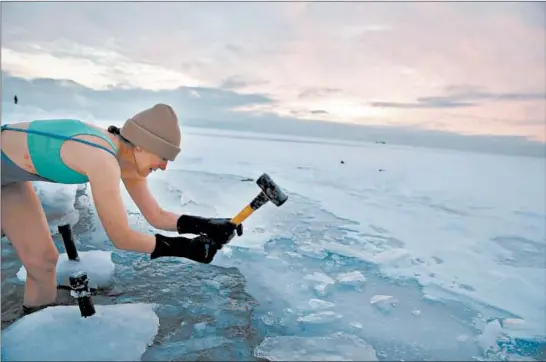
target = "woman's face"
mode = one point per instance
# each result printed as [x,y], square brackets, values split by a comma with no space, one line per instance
[146,162]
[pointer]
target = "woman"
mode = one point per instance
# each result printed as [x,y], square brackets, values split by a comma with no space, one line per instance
[73,152]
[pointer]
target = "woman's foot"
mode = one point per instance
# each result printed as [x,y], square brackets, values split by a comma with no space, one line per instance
[29,310]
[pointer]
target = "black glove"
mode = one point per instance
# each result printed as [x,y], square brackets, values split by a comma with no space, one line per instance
[201,249]
[218,229]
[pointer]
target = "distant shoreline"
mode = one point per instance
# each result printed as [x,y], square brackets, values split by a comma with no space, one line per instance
[538,151]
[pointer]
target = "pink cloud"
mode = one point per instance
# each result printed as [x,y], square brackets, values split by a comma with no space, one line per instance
[390,52]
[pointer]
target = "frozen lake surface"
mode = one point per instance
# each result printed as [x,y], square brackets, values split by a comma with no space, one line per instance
[398,253]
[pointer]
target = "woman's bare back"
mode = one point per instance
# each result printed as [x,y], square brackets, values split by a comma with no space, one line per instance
[74,154]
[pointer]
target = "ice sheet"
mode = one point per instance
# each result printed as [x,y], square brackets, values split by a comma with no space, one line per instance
[427,214]
[453,239]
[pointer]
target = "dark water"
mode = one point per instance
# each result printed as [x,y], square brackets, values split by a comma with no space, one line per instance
[206,306]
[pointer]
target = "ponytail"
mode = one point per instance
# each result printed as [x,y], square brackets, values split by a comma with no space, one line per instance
[116,131]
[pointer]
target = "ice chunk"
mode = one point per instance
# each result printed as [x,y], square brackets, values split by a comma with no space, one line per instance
[351,278]
[356,325]
[319,277]
[269,319]
[227,251]
[96,263]
[320,317]
[519,328]
[320,282]
[200,329]
[312,250]
[488,339]
[379,298]
[200,326]
[57,198]
[383,302]
[334,347]
[348,251]
[320,304]
[322,289]
[58,203]
[512,323]
[119,332]
[82,201]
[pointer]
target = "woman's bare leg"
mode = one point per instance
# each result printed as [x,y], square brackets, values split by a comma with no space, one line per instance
[25,225]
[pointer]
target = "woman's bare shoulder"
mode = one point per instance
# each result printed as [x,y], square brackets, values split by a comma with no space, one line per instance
[88,159]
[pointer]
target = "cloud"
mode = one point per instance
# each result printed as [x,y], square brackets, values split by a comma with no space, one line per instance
[119,102]
[380,58]
[318,93]
[217,108]
[523,96]
[463,99]
[432,102]
[239,82]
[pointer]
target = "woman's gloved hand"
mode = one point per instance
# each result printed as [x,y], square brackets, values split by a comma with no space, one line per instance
[219,229]
[201,249]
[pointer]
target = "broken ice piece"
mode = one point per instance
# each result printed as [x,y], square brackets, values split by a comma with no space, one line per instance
[318,304]
[489,337]
[322,289]
[379,298]
[320,317]
[351,278]
[512,323]
[319,277]
[383,302]
[227,251]
[356,325]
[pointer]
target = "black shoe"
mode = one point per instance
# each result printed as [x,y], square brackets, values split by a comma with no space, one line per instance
[29,310]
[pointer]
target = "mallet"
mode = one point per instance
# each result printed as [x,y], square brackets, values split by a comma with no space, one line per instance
[270,192]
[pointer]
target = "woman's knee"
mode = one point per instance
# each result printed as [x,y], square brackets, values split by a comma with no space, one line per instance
[25,224]
[42,265]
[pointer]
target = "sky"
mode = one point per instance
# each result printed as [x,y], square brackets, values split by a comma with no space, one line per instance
[460,67]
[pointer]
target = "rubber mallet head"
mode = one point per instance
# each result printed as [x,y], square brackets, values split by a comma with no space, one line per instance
[270,192]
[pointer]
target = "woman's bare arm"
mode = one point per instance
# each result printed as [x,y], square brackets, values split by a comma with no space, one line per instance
[104,178]
[148,206]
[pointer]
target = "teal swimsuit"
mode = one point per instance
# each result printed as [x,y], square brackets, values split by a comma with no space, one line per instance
[45,138]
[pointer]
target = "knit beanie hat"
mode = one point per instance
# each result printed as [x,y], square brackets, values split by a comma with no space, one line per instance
[156,130]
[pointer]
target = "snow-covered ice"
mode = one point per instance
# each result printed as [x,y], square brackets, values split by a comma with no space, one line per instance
[96,263]
[411,263]
[114,333]
[58,203]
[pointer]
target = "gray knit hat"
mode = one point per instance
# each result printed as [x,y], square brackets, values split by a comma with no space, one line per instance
[156,130]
